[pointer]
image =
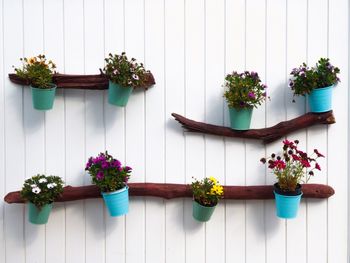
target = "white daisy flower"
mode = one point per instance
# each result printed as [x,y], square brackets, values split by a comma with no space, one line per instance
[36,190]
[42,180]
[52,185]
[33,185]
[115,72]
[135,77]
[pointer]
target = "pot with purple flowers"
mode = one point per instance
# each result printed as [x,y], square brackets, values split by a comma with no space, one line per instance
[243,92]
[123,75]
[111,178]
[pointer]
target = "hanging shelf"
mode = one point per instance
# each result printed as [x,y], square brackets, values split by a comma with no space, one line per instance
[267,135]
[170,191]
[86,82]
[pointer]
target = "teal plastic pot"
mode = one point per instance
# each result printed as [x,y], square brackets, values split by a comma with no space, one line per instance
[202,213]
[39,216]
[240,118]
[320,100]
[43,98]
[117,202]
[287,203]
[118,95]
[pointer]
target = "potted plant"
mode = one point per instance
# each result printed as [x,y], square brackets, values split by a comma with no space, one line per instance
[316,82]
[37,71]
[206,194]
[123,76]
[111,177]
[244,91]
[41,191]
[291,168]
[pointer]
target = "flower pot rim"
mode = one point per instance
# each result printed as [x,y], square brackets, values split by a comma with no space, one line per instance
[242,108]
[53,87]
[204,205]
[323,88]
[126,87]
[297,192]
[116,191]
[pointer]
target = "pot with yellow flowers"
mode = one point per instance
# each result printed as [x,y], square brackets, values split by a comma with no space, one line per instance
[291,167]
[37,72]
[206,194]
[41,191]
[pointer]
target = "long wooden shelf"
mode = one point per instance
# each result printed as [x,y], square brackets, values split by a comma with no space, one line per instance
[87,82]
[170,191]
[267,135]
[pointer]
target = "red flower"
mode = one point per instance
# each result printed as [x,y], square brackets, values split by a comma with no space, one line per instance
[296,157]
[318,167]
[286,142]
[279,164]
[318,153]
[305,163]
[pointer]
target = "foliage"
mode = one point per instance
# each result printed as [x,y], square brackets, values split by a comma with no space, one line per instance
[305,79]
[107,173]
[41,190]
[124,72]
[207,192]
[244,90]
[37,71]
[293,166]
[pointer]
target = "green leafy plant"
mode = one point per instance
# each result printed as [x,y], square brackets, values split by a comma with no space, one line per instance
[108,173]
[293,166]
[207,192]
[37,71]
[244,90]
[41,190]
[305,79]
[124,72]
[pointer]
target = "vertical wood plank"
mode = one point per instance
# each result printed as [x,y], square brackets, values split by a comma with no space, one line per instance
[175,144]
[155,130]
[15,149]
[75,129]
[114,125]
[194,104]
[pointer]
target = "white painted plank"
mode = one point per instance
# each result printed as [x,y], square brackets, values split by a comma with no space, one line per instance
[55,131]
[255,61]
[175,147]
[14,150]
[155,130]
[195,149]
[94,125]
[275,113]
[235,148]
[75,130]
[134,136]
[214,106]
[338,135]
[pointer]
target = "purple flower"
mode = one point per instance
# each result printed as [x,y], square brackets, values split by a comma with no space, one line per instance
[264,86]
[264,94]
[291,83]
[251,95]
[99,175]
[127,168]
[104,165]
[116,164]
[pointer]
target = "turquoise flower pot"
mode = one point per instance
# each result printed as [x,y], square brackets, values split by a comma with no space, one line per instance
[202,213]
[287,203]
[118,95]
[117,202]
[43,98]
[240,118]
[39,216]
[320,100]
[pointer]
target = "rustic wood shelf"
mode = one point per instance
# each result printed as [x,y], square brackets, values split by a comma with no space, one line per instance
[170,191]
[267,135]
[87,82]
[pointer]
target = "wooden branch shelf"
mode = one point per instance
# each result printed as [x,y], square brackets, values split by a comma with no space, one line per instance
[86,82]
[170,191]
[267,135]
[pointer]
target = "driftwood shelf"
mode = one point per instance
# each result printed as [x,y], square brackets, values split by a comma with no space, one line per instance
[87,82]
[267,135]
[170,191]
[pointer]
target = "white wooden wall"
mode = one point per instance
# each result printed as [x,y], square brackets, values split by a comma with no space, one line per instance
[189,45]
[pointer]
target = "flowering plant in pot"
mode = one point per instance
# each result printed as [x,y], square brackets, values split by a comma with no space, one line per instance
[41,191]
[316,82]
[243,92]
[111,177]
[291,168]
[206,194]
[123,75]
[38,71]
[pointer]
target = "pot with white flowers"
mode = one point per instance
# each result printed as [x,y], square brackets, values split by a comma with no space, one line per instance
[41,191]
[37,71]
[317,83]
[291,168]
[243,92]
[111,178]
[123,75]
[206,195]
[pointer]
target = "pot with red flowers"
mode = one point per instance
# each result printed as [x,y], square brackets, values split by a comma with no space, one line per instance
[111,177]
[291,168]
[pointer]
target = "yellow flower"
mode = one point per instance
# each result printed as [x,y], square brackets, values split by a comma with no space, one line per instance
[32,60]
[217,190]
[213,180]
